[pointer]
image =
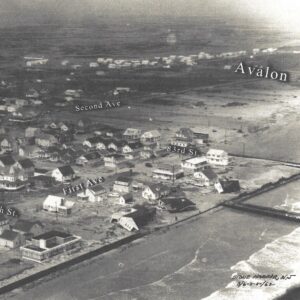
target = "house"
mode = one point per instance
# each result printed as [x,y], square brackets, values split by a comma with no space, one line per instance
[132,134]
[194,164]
[4,224]
[116,145]
[200,137]
[217,157]
[227,186]
[132,155]
[168,172]
[206,177]
[179,142]
[64,173]
[146,154]
[131,147]
[31,132]
[6,161]
[83,125]
[27,228]
[31,151]
[178,204]
[63,127]
[126,199]
[155,191]
[32,93]
[93,142]
[113,160]
[11,239]
[27,166]
[88,159]
[138,218]
[152,136]
[46,140]
[53,153]
[68,155]
[58,204]
[50,244]
[185,134]
[6,144]
[122,185]
[95,193]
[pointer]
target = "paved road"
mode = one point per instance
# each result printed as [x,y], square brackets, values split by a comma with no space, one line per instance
[189,261]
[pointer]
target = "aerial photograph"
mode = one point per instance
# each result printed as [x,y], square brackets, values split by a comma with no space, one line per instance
[149,149]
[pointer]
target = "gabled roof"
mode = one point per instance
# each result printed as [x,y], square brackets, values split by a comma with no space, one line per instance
[66,170]
[135,145]
[178,204]
[132,131]
[185,131]
[151,134]
[216,151]
[92,155]
[7,160]
[118,143]
[95,139]
[158,187]
[230,186]
[127,197]
[26,225]
[9,235]
[96,188]
[124,179]
[209,173]
[26,163]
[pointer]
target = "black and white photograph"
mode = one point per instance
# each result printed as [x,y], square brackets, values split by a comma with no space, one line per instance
[149,150]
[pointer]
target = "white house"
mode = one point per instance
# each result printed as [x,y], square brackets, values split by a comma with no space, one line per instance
[155,191]
[132,134]
[94,193]
[168,172]
[217,157]
[206,177]
[128,223]
[152,136]
[52,203]
[194,164]
[122,185]
[63,174]
[57,204]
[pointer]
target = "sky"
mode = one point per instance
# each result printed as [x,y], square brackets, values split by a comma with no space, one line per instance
[285,13]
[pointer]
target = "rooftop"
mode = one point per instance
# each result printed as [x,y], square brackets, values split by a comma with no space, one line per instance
[51,234]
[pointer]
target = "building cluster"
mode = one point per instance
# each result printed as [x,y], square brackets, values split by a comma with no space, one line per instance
[34,242]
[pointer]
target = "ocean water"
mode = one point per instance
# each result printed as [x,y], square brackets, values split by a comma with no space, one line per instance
[280,257]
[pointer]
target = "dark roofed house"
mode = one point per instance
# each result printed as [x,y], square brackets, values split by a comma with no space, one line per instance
[64,173]
[28,228]
[125,199]
[177,204]
[92,142]
[141,216]
[228,186]
[6,161]
[88,158]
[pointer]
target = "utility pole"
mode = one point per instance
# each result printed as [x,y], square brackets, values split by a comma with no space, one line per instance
[173,170]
